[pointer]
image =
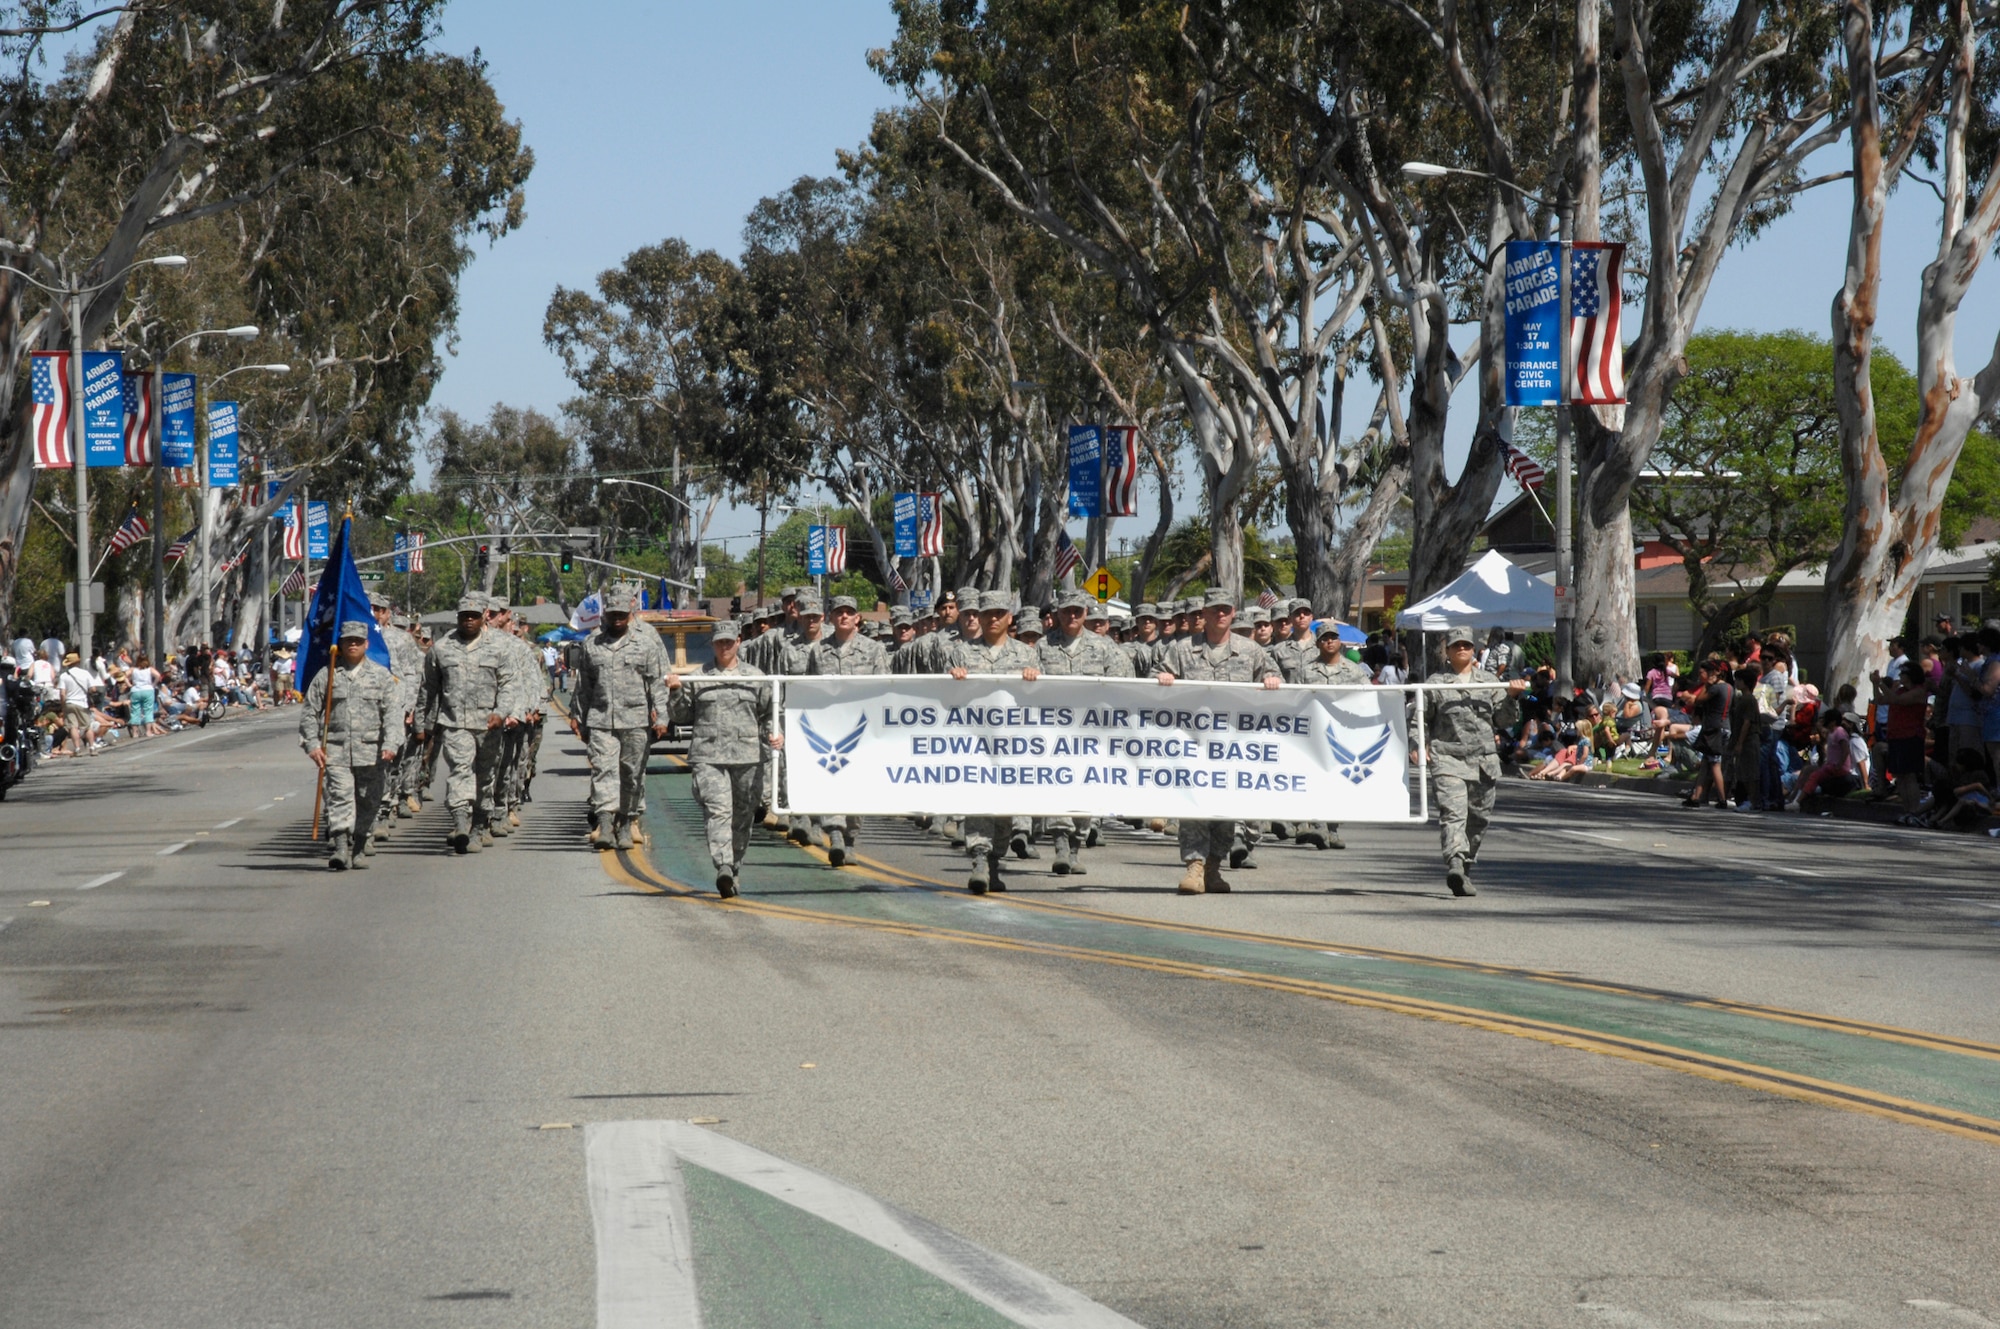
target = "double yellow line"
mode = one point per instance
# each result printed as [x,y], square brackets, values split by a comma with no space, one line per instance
[635,870]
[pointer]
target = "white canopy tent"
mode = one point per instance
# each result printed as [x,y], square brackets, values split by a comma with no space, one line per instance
[1492,593]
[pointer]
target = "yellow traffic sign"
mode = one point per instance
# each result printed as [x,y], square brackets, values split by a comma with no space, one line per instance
[1102,584]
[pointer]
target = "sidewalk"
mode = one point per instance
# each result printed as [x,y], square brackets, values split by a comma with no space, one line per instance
[1864,809]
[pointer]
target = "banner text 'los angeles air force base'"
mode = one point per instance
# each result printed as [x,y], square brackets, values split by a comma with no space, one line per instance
[996,747]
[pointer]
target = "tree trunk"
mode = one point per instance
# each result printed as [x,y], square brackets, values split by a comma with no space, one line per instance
[1357,546]
[1142,574]
[1606,580]
[1310,512]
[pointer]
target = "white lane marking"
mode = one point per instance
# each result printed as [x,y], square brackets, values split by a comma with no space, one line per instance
[225,825]
[1772,1312]
[198,738]
[1793,872]
[173,848]
[1956,1314]
[104,880]
[5,921]
[1606,1313]
[645,1251]
[263,807]
[1016,1291]
[1588,835]
[1984,904]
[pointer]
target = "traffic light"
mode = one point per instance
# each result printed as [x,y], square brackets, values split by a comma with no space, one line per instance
[567,554]
[485,556]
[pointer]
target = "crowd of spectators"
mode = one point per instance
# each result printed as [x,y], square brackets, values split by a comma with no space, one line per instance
[83,707]
[1751,734]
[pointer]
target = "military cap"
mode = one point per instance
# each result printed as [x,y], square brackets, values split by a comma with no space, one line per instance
[1030,625]
[472,602]
[726,630]
[1217,596]
[900,615]
[1326,627]
[354,627]
[1147,609]
[1095,612]
[399,620]
[1256,614]
[1454,635]
[1075,600]
[842,602]
[377,600]
[968,597]
[498,604]
[809,604]
[789,593]
[620,600]
[996,602]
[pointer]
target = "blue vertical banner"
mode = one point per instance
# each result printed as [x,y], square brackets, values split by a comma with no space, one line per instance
[402,563]
[104,408]
[177,420]
[906,525]
[816,551]
[222,456]
[1534,309]
[319,521]
[1086,470]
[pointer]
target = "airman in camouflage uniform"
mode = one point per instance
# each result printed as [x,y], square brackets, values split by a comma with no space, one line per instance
[846,651]
[994,653]
[618,715]
[1070,651]
[1146,644]
[808,618]
[524,705]
[352,742]
[1215,656]
[729,718]
[406,662]
[1328,665]
[1465,762]
[468,677]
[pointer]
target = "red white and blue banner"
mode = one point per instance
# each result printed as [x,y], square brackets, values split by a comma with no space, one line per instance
[1596,301]
[177,432]
[135,529]
[826,551]
[904,511]
[1121,470]
[295,532]
[48,382]
[930,525]
[138,419]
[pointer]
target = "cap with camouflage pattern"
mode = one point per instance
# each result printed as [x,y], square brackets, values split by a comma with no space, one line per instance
[1218,596]
[1147,609]
[809,606]
[377,600]
[840,602]
[472,602]
[1096,612]
[996,602]
[620,600]
[352,629]
[726,630]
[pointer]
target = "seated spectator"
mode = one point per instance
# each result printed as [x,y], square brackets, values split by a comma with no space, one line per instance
[1962,802]
[1837,773]
[1568,761]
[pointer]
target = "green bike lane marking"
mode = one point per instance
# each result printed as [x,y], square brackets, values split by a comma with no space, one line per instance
[1889,1074]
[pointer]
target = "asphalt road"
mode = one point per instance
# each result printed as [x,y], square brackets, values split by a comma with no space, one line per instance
[238,1089]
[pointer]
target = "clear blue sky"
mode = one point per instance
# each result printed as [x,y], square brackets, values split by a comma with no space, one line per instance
[672,118]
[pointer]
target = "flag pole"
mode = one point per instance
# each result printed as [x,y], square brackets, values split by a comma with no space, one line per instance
[332,650]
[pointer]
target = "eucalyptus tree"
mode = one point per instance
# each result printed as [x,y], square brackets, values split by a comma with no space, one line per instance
[95,171]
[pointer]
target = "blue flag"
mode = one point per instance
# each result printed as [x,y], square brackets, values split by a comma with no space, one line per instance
[340,599]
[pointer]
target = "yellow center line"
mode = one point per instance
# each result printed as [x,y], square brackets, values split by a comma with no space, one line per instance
[633,869]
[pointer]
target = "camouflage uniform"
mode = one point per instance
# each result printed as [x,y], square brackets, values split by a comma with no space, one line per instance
[1326,835]
[617,702]
[828,657]
[1464,760]
[730,718]
[1236,660]
[406,662]
[526,695]
[1086,655]
[364,723]
[1010,657]
[466,681]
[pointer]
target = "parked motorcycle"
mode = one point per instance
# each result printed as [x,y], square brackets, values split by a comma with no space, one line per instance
[20,745]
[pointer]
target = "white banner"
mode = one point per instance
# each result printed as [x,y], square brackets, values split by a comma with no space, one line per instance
[1007,747]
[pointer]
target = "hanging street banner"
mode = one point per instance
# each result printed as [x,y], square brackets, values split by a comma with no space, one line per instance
[1121,483]
[1006,747]
[1534,314]
[319,531]
[906,525]
[815,551]
[222,459]
[104,408]
[1086,470]
[177,420]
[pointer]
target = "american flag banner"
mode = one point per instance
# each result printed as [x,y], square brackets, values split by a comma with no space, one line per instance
[1267,599]
[1121,471]
[1068,556]
[930,525]
[416,551]
[1596,353]
[250,492]
[48,379]
[295,530]
[135,529]
[179,548]
[1520,465]
[836,550]
[295,581]
[182,476]
[138,419]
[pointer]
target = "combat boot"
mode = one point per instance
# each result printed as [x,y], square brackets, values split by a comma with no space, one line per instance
[1061,866]
[1282,829]
[514,814]
[364,847]
[624,834]
[1211,879]
[1333,840]
[994,862]
[1311,833]
[979,879]
[1194,881]
[836,846]
[954,831]
[1076,867]
[484,825]
[411,807]
[497,825]
[1090,839]
[461,831]
[1455,878]
[1244,853]
[1022,847]
[725,885]
[340,848]
[797,832]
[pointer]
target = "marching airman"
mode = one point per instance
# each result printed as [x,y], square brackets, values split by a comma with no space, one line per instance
[1465,762]
[468,678]
[729,718]
[351,737]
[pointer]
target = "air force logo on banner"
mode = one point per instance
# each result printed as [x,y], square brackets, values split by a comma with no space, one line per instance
[1357,768]
[833,753]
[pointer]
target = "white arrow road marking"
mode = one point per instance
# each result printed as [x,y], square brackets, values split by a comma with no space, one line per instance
[645,1250]
[1606,1313]
[104,880]
[1772,1312]
[1956,1314]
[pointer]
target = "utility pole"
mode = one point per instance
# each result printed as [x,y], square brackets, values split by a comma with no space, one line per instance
[763,524]
[80,463]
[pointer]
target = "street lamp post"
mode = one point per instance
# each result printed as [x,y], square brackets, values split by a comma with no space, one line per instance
[208,506]
[685,506]
[73,296]
[1565,552]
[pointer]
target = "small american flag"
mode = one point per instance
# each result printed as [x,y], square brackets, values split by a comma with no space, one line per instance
[1068,557]
[896,581]
[180,547]
[930,525]
[49,379]
[1595,302]
[1520,465]
[237,561]
[135,529]
[1266,599]
[295,581]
